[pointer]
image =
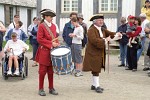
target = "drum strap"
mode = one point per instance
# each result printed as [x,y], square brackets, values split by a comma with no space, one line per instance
[48,29]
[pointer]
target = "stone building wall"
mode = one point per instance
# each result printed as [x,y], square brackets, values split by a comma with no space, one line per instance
[26,3]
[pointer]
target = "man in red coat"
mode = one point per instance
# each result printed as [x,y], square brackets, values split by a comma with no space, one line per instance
[46,33]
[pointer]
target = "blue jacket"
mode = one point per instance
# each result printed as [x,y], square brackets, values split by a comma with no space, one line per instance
[66,31]
[23,36]
[34,35]
[123,29]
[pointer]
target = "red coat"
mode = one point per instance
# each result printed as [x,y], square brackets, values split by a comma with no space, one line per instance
[45,41]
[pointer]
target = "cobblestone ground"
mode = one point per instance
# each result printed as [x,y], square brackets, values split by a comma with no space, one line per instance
[119,84]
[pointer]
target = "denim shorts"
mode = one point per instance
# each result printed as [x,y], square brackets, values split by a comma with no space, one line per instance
[76,50]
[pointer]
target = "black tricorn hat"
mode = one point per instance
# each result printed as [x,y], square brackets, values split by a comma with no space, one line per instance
[97,16]
[48,12]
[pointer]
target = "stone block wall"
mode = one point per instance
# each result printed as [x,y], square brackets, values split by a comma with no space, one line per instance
[26,3]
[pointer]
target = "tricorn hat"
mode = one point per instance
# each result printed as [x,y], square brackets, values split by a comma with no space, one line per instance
[97,16]
[48,12]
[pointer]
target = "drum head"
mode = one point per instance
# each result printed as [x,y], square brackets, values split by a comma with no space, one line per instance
[60,51]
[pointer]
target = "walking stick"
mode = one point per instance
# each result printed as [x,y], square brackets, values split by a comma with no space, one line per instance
[108,56]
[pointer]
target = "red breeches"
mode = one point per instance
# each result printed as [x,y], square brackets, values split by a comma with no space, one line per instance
[42,72]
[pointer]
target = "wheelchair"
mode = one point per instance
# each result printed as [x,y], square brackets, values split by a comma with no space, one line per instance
[23,66]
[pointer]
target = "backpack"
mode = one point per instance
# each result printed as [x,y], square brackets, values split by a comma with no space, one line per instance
[84,40]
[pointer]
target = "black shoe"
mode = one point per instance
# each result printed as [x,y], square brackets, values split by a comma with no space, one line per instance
[134,70]
[42,92]
[122,65]
[146,68]
[128,68]
[93,88]
[53,91]
[99,90]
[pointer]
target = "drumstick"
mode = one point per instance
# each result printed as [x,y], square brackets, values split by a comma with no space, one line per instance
[54,39]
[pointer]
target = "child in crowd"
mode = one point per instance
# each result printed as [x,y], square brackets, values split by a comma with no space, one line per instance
[20,33]
[76,46]
[131,29]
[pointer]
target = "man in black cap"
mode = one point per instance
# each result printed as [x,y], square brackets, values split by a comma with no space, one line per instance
[45,35]
[95,51]
[84,41]
[80,18]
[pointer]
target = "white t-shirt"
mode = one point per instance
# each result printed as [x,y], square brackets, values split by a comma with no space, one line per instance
[78,31]
[30,29]
[143,25]
[18,32]
[17,47]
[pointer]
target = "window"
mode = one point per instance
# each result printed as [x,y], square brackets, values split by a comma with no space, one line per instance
[11,14]
[69,6]
[17,10]
[8,14]
[29,20]
[108,6]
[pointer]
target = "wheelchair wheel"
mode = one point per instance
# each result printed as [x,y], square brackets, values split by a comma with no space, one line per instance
[5,77]
[148,75]
[23,76]
[3,70]
[26,66]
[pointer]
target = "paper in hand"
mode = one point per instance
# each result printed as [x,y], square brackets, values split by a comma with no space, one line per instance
[117,37]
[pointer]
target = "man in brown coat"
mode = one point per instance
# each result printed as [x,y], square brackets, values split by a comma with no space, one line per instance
[95,52]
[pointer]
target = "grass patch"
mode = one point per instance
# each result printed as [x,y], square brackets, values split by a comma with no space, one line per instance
[27,42]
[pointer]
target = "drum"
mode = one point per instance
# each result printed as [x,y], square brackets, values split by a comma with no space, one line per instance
[61,60]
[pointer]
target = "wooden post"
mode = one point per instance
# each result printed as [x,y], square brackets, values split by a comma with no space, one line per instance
[108,57]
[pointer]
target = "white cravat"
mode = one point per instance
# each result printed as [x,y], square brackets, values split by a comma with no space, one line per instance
[48,23]
[100,31]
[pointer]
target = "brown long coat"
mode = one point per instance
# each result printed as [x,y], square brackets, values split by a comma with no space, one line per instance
[95,51]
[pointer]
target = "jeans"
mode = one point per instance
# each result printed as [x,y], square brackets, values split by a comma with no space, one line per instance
[146,58]
[139,52]
[35,47]
[123,53]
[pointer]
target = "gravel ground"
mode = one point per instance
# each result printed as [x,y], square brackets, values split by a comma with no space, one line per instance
[119,84]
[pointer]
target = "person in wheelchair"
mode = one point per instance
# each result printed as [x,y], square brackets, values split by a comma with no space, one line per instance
[14,48]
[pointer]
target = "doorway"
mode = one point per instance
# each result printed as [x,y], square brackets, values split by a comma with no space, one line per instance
[29,17]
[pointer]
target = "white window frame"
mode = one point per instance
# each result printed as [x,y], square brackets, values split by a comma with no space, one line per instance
[109,7]
[70,8]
